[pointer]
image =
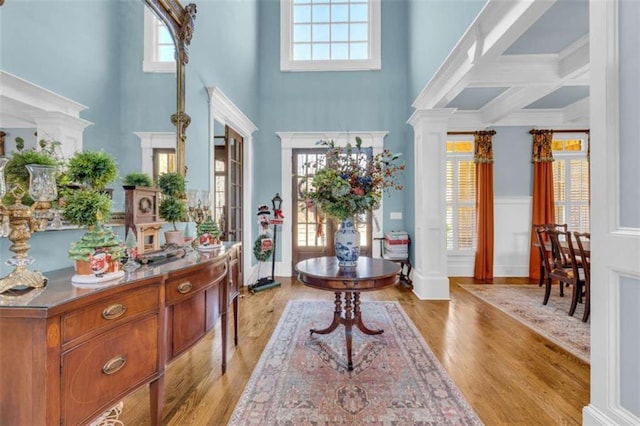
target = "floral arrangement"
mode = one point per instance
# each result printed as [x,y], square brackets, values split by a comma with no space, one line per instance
[347,184]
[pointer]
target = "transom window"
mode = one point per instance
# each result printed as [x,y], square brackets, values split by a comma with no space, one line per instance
[330,35]
[159,49]
[460,195]
[571,181]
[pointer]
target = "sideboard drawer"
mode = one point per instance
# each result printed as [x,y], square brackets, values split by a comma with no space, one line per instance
[103,369]
[180,286]
[109,312]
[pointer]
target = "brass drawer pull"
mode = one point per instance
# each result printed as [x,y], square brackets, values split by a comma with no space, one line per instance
[114,365]
[114,311]
[185,287]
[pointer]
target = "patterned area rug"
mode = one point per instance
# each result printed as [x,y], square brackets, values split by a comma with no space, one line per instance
[303,379]
[524,303]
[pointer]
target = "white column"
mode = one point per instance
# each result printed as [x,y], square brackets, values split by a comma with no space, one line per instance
[430,279]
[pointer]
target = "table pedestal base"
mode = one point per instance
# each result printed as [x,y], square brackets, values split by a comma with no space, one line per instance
[352,316]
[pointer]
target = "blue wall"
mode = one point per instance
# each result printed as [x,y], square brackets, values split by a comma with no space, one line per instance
[70,47]
[330,101]
[512,169]
[435,26]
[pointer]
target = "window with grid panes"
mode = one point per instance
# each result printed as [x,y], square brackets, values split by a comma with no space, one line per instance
[330,35]
[571,181]
[460,195]
[159,49]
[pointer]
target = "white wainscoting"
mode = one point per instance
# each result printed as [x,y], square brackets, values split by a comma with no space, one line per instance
[512,224]
[512,234]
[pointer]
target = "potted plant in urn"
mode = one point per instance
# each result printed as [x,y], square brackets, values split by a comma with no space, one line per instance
[137,179]
[97,254]
[99,251]
[172,206]
[344,186]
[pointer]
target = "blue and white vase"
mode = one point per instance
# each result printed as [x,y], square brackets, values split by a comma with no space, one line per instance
[347,244]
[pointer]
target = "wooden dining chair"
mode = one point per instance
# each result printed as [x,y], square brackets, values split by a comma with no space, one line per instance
[557,251]
[541,253]
[560,227]
[585,256]
[568,275]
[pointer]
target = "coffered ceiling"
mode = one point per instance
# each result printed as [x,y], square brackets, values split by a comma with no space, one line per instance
[520,63]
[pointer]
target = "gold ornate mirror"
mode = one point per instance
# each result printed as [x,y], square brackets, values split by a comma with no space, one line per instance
[179,21]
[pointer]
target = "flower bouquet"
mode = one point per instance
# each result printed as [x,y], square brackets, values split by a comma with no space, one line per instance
[347,183]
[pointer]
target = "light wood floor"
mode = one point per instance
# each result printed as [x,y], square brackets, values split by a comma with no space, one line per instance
[509,374]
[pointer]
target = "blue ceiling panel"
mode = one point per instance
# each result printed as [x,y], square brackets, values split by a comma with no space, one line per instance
[563,24]
[475,97]
[561,98]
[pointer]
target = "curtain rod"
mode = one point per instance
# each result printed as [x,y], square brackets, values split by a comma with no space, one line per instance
[553,130]
[570,131]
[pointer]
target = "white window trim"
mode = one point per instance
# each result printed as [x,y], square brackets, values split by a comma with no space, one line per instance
[294,140]
[151,140]
[375,45]
[150,62]
[455,157]
[567,156]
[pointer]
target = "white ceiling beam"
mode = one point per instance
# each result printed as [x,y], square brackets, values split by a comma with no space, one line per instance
[515,70]
[495,28]
[512,100]
[573,62]
[510,20]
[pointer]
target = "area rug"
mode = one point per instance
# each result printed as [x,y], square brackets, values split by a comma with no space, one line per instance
[524,303]
[303,379]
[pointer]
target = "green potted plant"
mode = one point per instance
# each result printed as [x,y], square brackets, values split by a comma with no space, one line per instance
[134,179]
[99,249]
[172,206]
[93,169]
[16,172]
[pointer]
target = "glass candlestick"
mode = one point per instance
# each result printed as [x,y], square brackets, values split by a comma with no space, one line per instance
[23,221]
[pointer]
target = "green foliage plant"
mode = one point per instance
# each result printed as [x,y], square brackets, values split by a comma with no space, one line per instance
[17,174]
[172,208]
[172,184]
[137,179]
[346,184]
[86,207]
[92,168]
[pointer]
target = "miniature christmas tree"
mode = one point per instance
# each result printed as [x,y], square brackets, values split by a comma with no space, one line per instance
[97,237]
[208,232]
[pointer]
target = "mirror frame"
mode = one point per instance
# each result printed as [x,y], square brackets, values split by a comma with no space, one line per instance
[180,23]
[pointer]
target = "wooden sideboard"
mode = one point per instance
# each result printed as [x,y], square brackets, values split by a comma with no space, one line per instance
[67,353]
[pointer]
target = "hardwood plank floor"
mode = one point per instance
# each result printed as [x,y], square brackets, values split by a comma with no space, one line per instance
[509,374]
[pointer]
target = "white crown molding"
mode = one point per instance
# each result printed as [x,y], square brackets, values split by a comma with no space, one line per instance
[227,113]
[26,105]
[16,89]
[310,139]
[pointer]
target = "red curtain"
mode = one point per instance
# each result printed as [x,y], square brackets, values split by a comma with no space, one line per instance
[483,157]
[543,208]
